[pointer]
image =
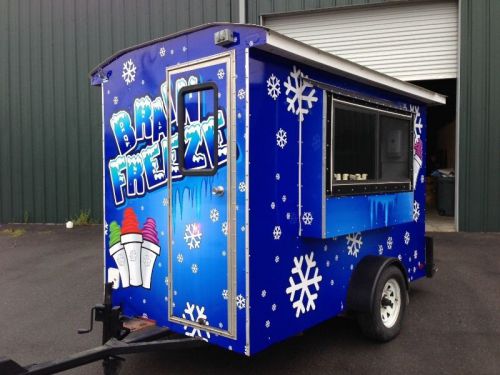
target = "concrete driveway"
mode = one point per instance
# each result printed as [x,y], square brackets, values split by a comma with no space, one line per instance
[50,278]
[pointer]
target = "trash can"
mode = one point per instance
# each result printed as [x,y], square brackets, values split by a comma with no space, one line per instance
[446,196]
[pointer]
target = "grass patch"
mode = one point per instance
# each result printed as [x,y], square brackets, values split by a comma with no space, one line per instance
[14,232]
[84,218]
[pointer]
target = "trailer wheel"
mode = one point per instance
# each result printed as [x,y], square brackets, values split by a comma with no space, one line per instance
[383,323]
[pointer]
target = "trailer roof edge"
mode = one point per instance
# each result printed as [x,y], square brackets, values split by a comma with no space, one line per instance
[120,53]
[288,47]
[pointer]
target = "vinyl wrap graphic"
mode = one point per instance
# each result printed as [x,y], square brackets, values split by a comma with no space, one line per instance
[292,279]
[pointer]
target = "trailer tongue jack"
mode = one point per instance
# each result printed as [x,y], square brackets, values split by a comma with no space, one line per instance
[120,336]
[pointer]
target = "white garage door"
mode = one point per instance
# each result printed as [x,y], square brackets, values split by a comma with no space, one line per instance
[416,41]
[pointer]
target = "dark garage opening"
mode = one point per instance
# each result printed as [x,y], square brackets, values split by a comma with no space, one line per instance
[440,160]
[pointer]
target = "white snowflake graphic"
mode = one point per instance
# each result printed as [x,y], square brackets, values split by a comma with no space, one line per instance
[277,176]
[268,324]
[273,87]
[165,202]
[192,236]
[221,73]
[307,218]
[273,205]
[263,293]
[242,186]
[194,268]
[407,237]
[129,70]
[184,49]
[180,258]
[276,259]
[415,254]
[273,307]
[240,301]
[298,101]
[115,100]
[288,215]
[422,179]
[417,120]
[281,138]
[354,242]
[199,317]
[380,249]
[224,228]
[416,211]
[162,51]
[241,94]
[389,243]
[305,283]
[277,232]
[214,215]
[225,294]
[283,198]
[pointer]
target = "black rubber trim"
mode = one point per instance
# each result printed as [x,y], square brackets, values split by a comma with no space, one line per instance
[339,189]
[356,97]
[363,283]
[181,119]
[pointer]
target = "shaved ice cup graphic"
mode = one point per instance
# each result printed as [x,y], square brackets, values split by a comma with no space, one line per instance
[150,250]
[417,160]
[117,251]
[131,240]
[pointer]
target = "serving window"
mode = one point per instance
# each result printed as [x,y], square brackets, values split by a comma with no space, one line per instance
[369,148]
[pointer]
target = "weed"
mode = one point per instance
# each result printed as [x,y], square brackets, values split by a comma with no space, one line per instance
[14,232]
[83,218]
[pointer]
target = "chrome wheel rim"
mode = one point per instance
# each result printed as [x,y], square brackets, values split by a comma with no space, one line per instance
[390,303]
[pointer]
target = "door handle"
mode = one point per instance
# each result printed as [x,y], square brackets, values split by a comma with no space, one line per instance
[218,191]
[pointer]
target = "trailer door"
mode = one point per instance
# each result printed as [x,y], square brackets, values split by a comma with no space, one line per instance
[201,250]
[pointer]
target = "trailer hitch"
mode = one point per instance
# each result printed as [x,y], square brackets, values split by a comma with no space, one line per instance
[116,342]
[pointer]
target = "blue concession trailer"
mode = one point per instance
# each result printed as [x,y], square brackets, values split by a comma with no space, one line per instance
[249,176]
[255,186]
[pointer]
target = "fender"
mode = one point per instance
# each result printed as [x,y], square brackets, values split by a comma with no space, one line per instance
[361,292]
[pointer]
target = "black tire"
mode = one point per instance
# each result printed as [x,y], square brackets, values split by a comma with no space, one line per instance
[371,324]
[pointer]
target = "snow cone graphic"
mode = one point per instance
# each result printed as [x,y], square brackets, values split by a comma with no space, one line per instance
[117,251]
[150,250]
[132,242]
[417,159]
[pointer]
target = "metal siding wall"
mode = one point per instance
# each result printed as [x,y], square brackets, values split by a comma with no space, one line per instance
[50,127]
[256,8]
[479,152]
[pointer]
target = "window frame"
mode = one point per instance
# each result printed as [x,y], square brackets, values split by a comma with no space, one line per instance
[348,188]
[181,119]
